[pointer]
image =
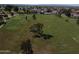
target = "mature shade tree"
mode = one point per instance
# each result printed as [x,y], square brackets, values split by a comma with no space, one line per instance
[24,10]
[49,10]
[68,12]
[8,8]
[12,13]
[36,28]
[16,9]
[2,20]
[60,13]
[26,47]
[28,11]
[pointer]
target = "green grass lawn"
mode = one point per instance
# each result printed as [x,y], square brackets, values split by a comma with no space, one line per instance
[17,29]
